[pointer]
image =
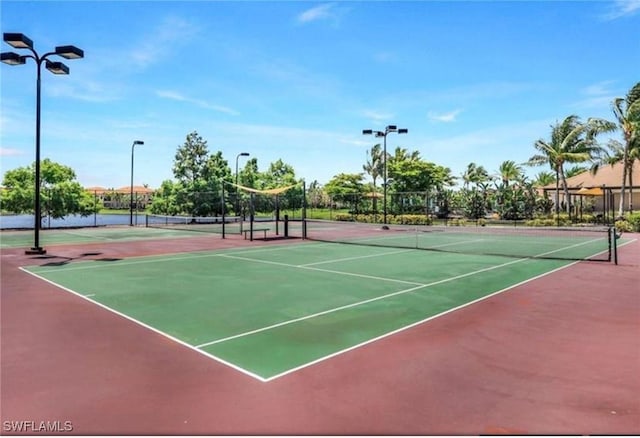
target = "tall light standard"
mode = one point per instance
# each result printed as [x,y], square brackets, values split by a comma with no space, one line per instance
[241,154]
[20,41]
[136,142]
[387,130]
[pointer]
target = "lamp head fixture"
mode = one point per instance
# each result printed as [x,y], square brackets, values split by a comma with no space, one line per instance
[17,40]
[69,52]
[57,68]
[12,58]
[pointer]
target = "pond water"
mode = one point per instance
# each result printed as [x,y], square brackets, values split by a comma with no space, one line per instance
[22,221]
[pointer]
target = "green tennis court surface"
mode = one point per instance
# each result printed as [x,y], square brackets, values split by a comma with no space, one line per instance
[58,236]
[270,310]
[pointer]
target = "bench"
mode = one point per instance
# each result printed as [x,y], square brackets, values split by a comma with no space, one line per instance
[247,231]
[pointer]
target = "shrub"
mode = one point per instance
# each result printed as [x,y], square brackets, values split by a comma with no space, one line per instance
[411,219]
[634,221]
[344,217]
[541,222]
[407,219]
[624,226]
[588,218]
[457,222]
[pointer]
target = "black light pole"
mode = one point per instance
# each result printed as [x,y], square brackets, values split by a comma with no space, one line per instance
[387,130]
[241,154]
[136,142]
[20,41]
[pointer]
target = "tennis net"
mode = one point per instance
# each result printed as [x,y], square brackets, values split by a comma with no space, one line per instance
[579,243]
[206,224]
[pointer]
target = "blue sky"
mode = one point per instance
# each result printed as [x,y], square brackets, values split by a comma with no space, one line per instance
[475,81]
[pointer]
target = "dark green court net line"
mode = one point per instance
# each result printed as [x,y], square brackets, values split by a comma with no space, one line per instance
[579,243]
[212,224]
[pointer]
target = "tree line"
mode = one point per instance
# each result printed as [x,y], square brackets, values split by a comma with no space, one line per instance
[199,175]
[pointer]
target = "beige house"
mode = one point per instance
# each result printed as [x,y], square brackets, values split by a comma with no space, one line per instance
[119,198]
[600,192]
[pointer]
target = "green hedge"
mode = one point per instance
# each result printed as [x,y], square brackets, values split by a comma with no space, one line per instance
[405,219]
[634,220]
[630,223]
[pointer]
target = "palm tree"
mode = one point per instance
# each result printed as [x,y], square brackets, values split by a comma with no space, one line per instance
[402,154]
[375,163]
[468,174]
[627,113]
[479,177]
[615,156]
[375,167]
[444,178]
[509,171]
[476,175]
[544,179]
[576,170]
[572,141]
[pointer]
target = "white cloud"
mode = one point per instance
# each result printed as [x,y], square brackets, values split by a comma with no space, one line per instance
[105,78]
[321,12]
[327,11]
[171,33]
[598,88]
[444,117]
[598,95]
[622,8]
[377,116]
[10,152]
[354,142]
[174,95]
[85,90]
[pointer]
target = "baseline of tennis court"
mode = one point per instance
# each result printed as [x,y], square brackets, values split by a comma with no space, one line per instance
[269,311]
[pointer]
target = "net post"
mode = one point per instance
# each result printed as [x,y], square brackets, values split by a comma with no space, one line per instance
[95,208]
[277,214]
[304,209]
[222,206]
[251,216]
[286,226]
[613,235]
[146,221]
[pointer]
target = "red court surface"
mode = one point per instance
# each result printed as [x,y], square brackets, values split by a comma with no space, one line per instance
[557,355]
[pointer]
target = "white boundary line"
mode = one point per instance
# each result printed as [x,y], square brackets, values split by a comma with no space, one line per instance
[414,324]
[262,379]
[355,258]
[401,329]
[310,268]
[92,237]
[381,297]
[93,264]
[153,329]
[359,303]
[136,260]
